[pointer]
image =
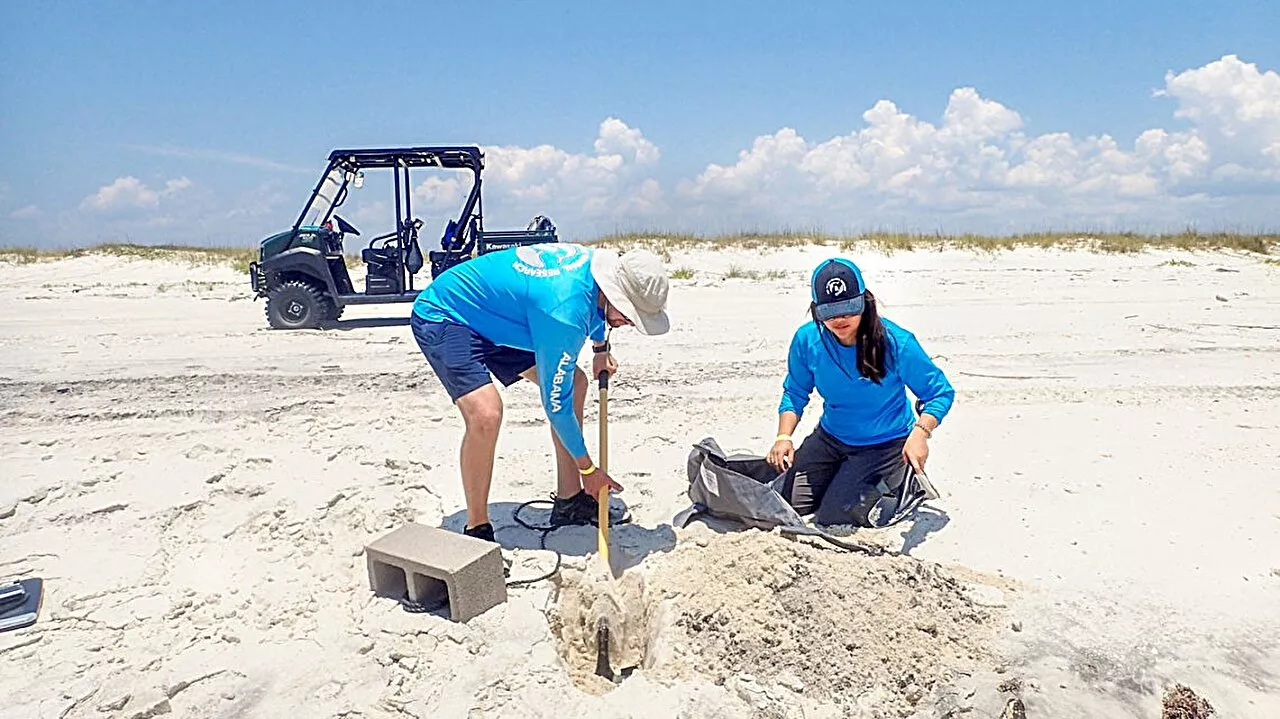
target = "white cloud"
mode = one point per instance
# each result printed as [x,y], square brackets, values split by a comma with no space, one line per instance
[125,192]
[30,212]
[979,162]
[596,190]
[1229,98]
[617,138]
[129,193]
[770,162]
[977,165]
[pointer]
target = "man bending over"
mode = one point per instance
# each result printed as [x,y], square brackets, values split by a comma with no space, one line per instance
[526,312]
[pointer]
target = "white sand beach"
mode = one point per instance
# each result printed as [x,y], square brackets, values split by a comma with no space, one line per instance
[196,490]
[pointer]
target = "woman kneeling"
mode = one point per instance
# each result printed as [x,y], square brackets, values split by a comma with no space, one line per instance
[850,468]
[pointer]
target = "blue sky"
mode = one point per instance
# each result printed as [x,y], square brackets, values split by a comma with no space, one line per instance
[209,123]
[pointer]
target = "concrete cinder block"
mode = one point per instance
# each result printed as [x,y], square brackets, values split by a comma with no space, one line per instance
[428,563]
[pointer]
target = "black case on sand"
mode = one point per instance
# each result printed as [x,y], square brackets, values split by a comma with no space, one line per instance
[19,613]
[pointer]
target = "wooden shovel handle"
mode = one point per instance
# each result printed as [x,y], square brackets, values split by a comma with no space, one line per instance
[604,421]
[602,537]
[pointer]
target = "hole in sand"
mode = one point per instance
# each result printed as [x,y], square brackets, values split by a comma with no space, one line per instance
[633,618]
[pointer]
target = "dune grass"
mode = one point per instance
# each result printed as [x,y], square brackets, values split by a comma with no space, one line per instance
[1118,242]
[743,273]
[664,243]
[235,257]
[686,241]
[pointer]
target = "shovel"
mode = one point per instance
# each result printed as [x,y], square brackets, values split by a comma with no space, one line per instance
[603,668]
[602,538]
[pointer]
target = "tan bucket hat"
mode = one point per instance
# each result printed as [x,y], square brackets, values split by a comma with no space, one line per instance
[636,283]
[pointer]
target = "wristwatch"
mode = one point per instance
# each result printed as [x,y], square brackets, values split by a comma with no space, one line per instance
[602,348]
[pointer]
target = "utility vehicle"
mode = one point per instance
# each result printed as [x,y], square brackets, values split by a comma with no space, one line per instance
[302,272]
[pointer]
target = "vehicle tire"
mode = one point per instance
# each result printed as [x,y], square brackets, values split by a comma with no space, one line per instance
[295,305]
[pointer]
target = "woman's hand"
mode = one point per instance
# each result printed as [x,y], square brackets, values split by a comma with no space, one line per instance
[916,450]
[782,455]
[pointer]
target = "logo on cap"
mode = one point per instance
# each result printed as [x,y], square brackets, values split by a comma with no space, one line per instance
[836,286]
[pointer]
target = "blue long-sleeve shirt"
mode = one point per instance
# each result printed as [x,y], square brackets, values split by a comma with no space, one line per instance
[539,298]
[856,410]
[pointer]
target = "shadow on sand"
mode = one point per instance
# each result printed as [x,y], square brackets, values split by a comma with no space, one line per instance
[629,543]
[924,521]
[366,323]
[915,528]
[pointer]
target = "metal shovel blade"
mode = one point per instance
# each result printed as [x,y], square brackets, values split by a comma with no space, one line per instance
[603,668]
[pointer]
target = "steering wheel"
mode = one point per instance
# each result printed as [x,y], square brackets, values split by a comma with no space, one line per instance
[346,227]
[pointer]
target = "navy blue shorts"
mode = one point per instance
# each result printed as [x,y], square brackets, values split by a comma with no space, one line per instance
[463,360]
[839,483]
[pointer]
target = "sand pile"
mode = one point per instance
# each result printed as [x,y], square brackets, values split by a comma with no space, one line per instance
[759,613]
[1180,702]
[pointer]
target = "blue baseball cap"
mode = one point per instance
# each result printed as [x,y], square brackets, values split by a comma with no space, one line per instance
[837,289]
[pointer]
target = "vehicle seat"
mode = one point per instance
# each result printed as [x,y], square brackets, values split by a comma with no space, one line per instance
[378,255]
[379,260]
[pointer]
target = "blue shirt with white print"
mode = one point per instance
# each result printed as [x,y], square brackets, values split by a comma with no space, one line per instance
[539,298]
[856,410]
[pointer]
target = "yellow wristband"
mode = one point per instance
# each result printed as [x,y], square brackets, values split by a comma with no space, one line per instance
[588,470]
[781,437]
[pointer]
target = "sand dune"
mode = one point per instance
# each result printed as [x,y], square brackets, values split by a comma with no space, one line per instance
[196,490]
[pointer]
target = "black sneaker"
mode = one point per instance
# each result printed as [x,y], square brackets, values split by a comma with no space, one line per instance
[481,531]
[582,508]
